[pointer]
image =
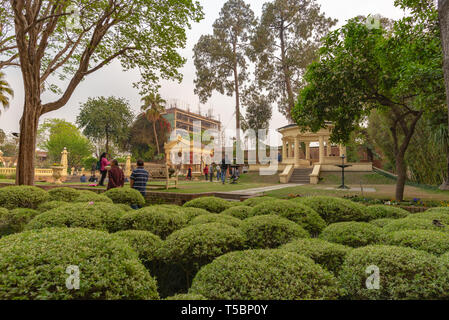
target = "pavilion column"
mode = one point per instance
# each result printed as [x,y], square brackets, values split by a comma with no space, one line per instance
[308,151]
[297,162]
[329,148]
[321,150]
[284,150]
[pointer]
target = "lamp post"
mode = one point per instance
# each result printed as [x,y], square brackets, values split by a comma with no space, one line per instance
[343,166]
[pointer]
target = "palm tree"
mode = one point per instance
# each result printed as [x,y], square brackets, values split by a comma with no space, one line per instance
[5,90]
[153,106]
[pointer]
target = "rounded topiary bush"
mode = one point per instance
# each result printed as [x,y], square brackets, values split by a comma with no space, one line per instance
[63,194]
[99,216]
[441,216]
[239,212]
[124,207]
[125,195]
[439,210]
[265,275]
[211,204]
[155,219]
[15,220]
[145,243]
[46,206]
[187,297]
[382,212]
[327,254]
[434,242]
[191,213]
[353,234]
[108,267]
[217,218]
[270,231]
[405,273]
[302,215]
[381,222]
[334,209]
[252,202]
[413,224]
[89,196]
[22,197]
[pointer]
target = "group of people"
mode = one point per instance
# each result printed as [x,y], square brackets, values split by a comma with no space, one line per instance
[220,171]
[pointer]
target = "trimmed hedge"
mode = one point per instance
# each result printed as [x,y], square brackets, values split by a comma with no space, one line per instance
[405,273]
[22,197]
[431,241]
[327,254]
[217,218]
[63,194]
[108,267]
[191,213]
[14,221]
[89,196]
[239,212]
[334,209]
[264,275]
[99,216]
[353,234]
[382,212]
[413,224]
[302,215]
[123,207]
[46,206]
[441,216]
[145,243]
[187,297]
[211,204]
[270,231]
[126,196]
[160,221]
[381,222]
[252,202]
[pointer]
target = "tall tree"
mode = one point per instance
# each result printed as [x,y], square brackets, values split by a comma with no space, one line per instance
[75,38]
[105,119]
[5,92]
[361,69]
[153,106]
[220,58]
[285,43]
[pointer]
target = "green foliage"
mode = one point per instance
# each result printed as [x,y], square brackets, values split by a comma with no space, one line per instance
[46,206]
[327,254]
[239,212]
[427,240]
[404,274]
[14,221]
[126,196]
[63,194]
[187,297]
[252,202]
[144,243]
[122,275]
[22,197]
[191,212]
[441,216]
[123,207]
[160,221]
[413,224]
[99,216]
[89,196]
[270,231]
[353,234]
[381,222]
[381,212]
[211,204]
[301,214]
[334,209]
[244,275]
[217,218]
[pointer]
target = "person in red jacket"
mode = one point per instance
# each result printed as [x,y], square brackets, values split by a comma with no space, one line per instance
[206,172]
[116,176]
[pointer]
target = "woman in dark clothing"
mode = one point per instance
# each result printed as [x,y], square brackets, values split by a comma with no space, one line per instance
[116,176]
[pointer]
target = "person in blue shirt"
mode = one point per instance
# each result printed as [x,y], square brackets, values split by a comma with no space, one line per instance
[139,179]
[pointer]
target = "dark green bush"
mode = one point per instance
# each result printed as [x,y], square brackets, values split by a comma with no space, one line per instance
[217,218]
[382,212]
[187,297]
[89,196]
[33,265]
[191,213]
[15,220]
[211,204]
[381,222]
[99,216]
[413,224]
[46,206]
[144,243]
[441,216]
[353,234]
[270,231]
[334,209]
[126,196]
[239,212]
[405,273]
[302,215]
[427,240]
[160,221]
[264,275]
[252,202]
[327,254]
[22,197]
[63,194]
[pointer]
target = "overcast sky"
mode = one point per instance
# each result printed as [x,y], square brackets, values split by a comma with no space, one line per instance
[112,81]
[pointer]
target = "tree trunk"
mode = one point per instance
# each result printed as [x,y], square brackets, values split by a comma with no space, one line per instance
[286,71]
[401,172]
[155,137]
